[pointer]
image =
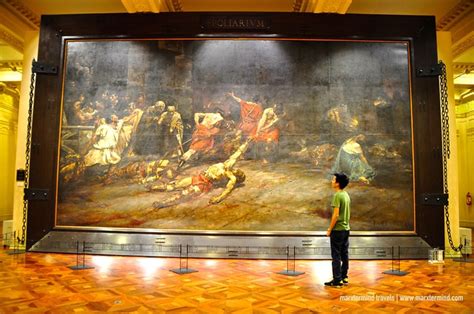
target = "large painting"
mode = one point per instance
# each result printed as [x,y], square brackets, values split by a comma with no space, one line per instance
[234,135]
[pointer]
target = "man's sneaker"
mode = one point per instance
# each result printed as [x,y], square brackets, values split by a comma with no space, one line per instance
[332,283]
[345,281]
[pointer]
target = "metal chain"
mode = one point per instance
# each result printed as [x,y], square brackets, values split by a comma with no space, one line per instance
[28,151]
[443,89]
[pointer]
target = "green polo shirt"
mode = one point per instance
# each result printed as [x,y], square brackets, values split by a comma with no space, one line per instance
[342,200]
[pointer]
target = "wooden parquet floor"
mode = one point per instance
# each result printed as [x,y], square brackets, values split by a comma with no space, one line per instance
[43,283]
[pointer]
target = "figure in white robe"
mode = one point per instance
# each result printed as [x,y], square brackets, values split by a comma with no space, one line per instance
[105,141]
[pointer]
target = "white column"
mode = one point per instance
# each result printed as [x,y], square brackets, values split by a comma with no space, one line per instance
[30,52]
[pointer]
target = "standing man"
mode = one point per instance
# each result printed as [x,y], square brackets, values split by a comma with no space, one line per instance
[339,231]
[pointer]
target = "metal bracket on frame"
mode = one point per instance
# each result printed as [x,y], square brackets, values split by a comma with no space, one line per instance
[43,68]
[433,199]
[434,70]
[36,194]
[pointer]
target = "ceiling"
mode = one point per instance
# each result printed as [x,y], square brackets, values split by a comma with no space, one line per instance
[455,16]
[412,7]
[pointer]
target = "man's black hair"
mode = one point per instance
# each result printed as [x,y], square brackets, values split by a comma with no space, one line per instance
[342,179]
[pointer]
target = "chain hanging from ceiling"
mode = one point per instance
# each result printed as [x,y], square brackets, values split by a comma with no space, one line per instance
[28,152]
[443,90]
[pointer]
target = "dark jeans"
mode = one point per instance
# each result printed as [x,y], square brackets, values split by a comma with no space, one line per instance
[339,254]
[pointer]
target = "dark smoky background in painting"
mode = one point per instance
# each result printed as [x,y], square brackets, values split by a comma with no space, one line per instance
[309,79]
[328,90]
[341,106]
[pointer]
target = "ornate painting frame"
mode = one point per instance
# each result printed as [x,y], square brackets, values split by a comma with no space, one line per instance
[417,32]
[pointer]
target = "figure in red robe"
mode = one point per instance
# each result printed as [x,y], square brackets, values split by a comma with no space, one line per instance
[202,140]
[250,115]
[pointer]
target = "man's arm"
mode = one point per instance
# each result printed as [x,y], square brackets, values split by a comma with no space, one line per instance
[271,124]
[335,215]
[229,163]
[262,121]
[198,116]
[237,99]
[229,187]
[162,117]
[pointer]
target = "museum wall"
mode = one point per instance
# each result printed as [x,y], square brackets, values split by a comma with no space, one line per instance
[465,142]
[9,98]
[30,52]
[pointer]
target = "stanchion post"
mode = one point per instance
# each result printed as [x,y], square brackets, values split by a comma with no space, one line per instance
[14,242]
[185,270]
[78,251]
[398,259]
[465,253]
[77,254]
[294,258]
[83,254]
[289,272]
[187,255]
[396,272]
[392,258]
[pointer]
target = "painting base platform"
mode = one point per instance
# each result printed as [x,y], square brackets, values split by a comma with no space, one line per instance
[230,246]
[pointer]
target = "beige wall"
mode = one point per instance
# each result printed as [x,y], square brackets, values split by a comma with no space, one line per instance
[9,99]
[465,140]
[30,52]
